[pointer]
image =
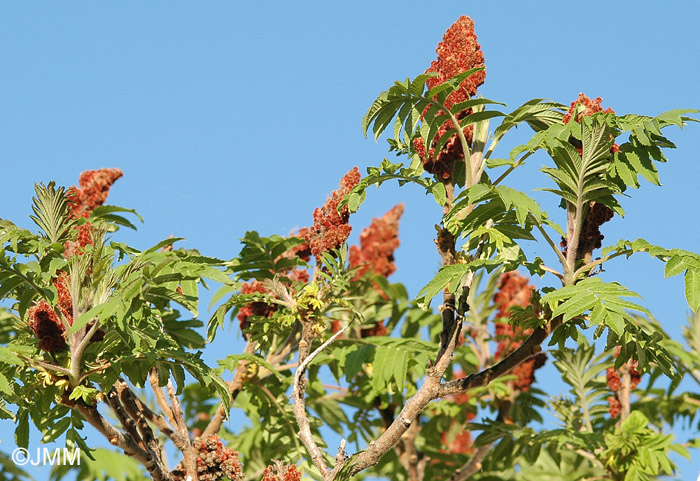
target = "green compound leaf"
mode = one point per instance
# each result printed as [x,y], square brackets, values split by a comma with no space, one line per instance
[604,300]
[692,288]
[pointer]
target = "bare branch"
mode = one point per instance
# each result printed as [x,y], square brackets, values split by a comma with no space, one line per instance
[160,397]
[340,457]
[625,391]
[412,409]
[298,396]
[127,423]
[472,465]
[529,348]
[161,423]
[190,457]
[234,388]
[146,433]
[116,438]
[409,457]
[432,389]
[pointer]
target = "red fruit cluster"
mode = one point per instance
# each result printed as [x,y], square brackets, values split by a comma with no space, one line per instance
[302,251]
[514,290]
[83,238]
[215,462]
[65,301]
[92,193]
[93,190]
[331,228]
[281,472]
[460,444]
[375,254]
[260,308]
[585,107]
[458,52]
[614,379]
[379,329]
[378,242]
[256,308]
[47,326]
[614,406]
[591,237]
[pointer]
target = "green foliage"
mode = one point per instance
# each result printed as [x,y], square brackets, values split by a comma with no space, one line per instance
[51,211]
[580,177]
[394,171]
[602,299]
[126,327]
[637,452]
[10,470]
[106,465]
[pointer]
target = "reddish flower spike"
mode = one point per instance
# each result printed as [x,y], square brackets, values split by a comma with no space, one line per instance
[214,461]
[377,245]
[515,291]
[585,107]
[331,228]
[65,301]
[93,190]
[458,52]
[47,327]
[254,308]
[614,406]
[281,472]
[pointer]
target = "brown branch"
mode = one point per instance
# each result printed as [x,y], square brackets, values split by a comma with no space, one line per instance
[446,247]
[235,387]
[161,423]
[298,396]
[45,365]
[175,430]
[341,456]
[410,411]
[590,456]
[432,389]
[160,397]
[625,391]
[127,422]
[101,368]
[116,438]
[530,347]
[190,457]
[409,456]
[127,399]
[429,390]
[472,465]
[406,451]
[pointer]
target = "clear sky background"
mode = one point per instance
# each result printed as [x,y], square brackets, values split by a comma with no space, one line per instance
[234,116]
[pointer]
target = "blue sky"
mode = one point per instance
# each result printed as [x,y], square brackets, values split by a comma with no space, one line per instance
[232,116]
